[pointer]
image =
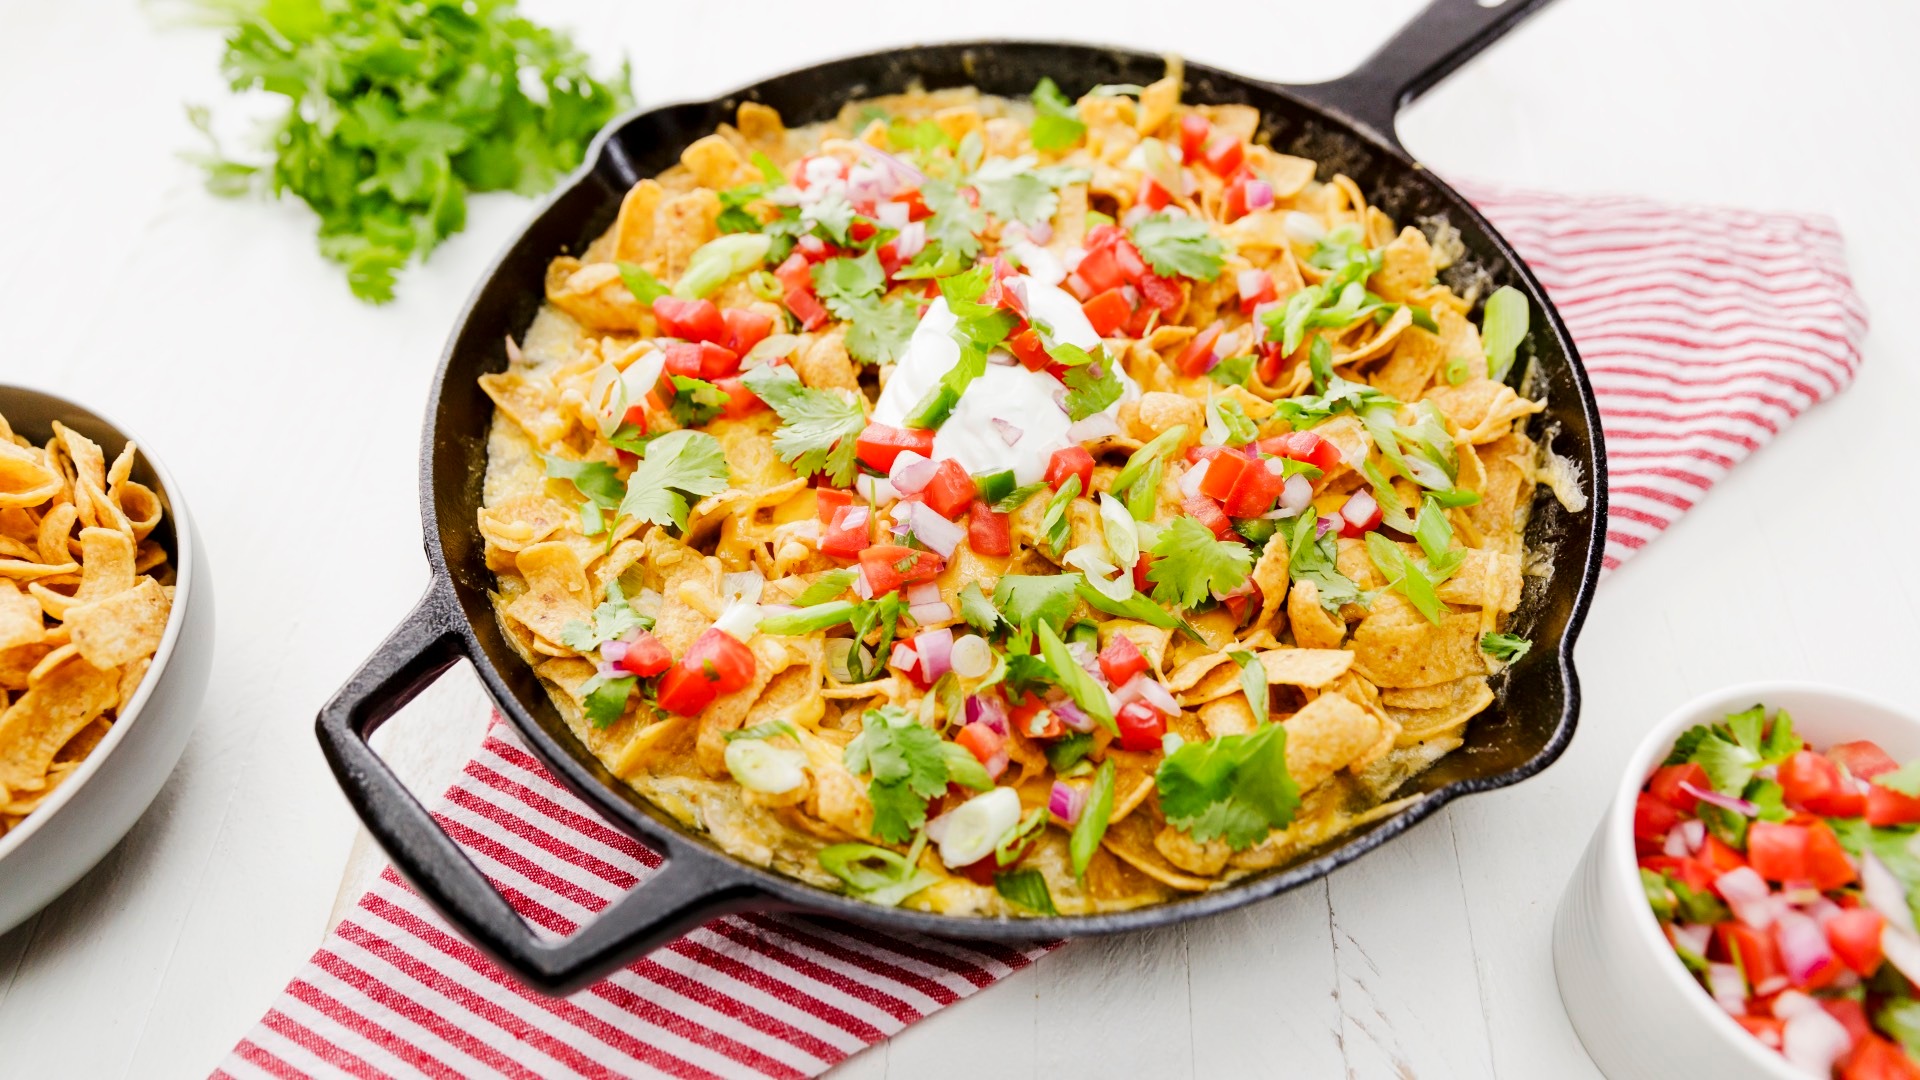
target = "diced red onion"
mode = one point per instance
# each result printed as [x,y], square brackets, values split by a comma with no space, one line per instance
[907,173]
[1767,772]
[912,239]
[1746,892]
[1822,911]
[1902,951]
[856,518]
[1259,194]
[1812,1039]
[1154,693]
[1065,803]
[900,529]
[1135,214]
[926,614]
[1130,294]
[923,592]
[1001,358]
[1251,282]
[1260,310]
[940,535]
[1009,433]
[972,656]
[1100,425]
[1803,946]
[862,588]
[989,709]
[936,651]
[1675,844]
[1693,937]
[1695,832]
[1328,523]
[911,473]
[903,658]
[819,170]
[1191,480]
[1724,802]
[1072,715]
[1076,284]
[613,651]
[1359,508]
[1729,990]
[1297,494]
[1041,233]
[894,215]
[1885,894]
[878,488]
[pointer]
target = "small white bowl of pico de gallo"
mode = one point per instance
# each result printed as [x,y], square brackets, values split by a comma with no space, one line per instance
[1747,906]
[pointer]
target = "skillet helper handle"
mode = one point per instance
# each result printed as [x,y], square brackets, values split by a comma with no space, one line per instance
[679,895]
[1445,35]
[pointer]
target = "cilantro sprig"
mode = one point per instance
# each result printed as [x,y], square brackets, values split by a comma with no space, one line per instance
[679,465]
[395,112]
[1235,787]
[907,766]
[1732,751]
[851,288]
[817,427]
[1183,246]
[1190,564]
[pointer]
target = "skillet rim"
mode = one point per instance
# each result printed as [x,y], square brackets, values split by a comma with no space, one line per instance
[776,891]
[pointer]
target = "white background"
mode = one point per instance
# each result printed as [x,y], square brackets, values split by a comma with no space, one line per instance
[291,412]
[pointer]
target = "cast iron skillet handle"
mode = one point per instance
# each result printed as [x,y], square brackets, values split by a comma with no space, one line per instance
[1442,37]
[678,896]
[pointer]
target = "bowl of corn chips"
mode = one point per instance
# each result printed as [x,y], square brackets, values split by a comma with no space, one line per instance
[105,640]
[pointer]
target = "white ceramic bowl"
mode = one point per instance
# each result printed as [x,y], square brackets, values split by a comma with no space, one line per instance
[89,813]
[1638,1011]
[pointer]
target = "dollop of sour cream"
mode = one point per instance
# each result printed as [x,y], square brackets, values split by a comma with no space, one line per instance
[1022,399]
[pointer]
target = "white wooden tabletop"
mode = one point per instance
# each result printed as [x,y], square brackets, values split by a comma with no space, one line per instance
[291,413]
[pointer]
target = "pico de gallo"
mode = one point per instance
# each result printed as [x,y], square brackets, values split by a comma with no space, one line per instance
[1785,879]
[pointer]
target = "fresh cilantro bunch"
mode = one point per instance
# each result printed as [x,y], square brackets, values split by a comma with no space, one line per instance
[396,111]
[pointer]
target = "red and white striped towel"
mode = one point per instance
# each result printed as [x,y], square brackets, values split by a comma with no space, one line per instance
[1705,332]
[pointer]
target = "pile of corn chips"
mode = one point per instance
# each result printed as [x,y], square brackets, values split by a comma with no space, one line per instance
[84,599]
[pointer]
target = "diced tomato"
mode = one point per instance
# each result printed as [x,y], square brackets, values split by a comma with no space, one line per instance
[828,500]
[1266,294]
[1197,357]
[1239,600]
[1127,257]
[1665,783]
[807,308]
[1236,198]
[916,204]
[717,361]
[1208,513]
[1070,461]
[1141,320]
[879,444]
[1223,471]
[1694,874]
[745,328]
[1827,862]
[1032,718]
[1121,660]
[692,320]
[796,274]
[1107,311]
[1811,782]
[1254,493]
[1100,270]
[1851,1014]
[980,740]
[1652,819]
[1755,952]
[815,249]
[1103,235]
[860,230]
[889,256]
[1152,195]
[740,400]
[1027,347]
[1224,155]
[1195,130]
[989,533]
[1764,1028]
[1854,935]
[1304,446]
[1161,293]
[889,566]
[1877,1058]
[1720,857]
[950,491]
[718,663]
[646,656]
[1778,852]
[683,358]
[843,540]
[1886,806]
[1271,361]
[1863,759]
[1141,727]
[1140,569]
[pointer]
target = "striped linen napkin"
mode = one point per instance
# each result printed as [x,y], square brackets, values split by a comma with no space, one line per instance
[1705,332]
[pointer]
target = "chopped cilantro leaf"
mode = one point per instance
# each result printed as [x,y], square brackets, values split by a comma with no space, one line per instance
[1504,647]
[678,465]
[1312,557]
[954,222]
[817,427]
[1179,245]
[605,700]
[1028,600]
[1190,564]
[1056,122]
[1093,380]
[695,401]
[1027,888]
[977,609]
[1015,189]
[906,767]
[1234,787]
[596,480]
[613,618]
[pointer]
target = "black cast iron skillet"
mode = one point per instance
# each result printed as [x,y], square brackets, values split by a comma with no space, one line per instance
[1346,124]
